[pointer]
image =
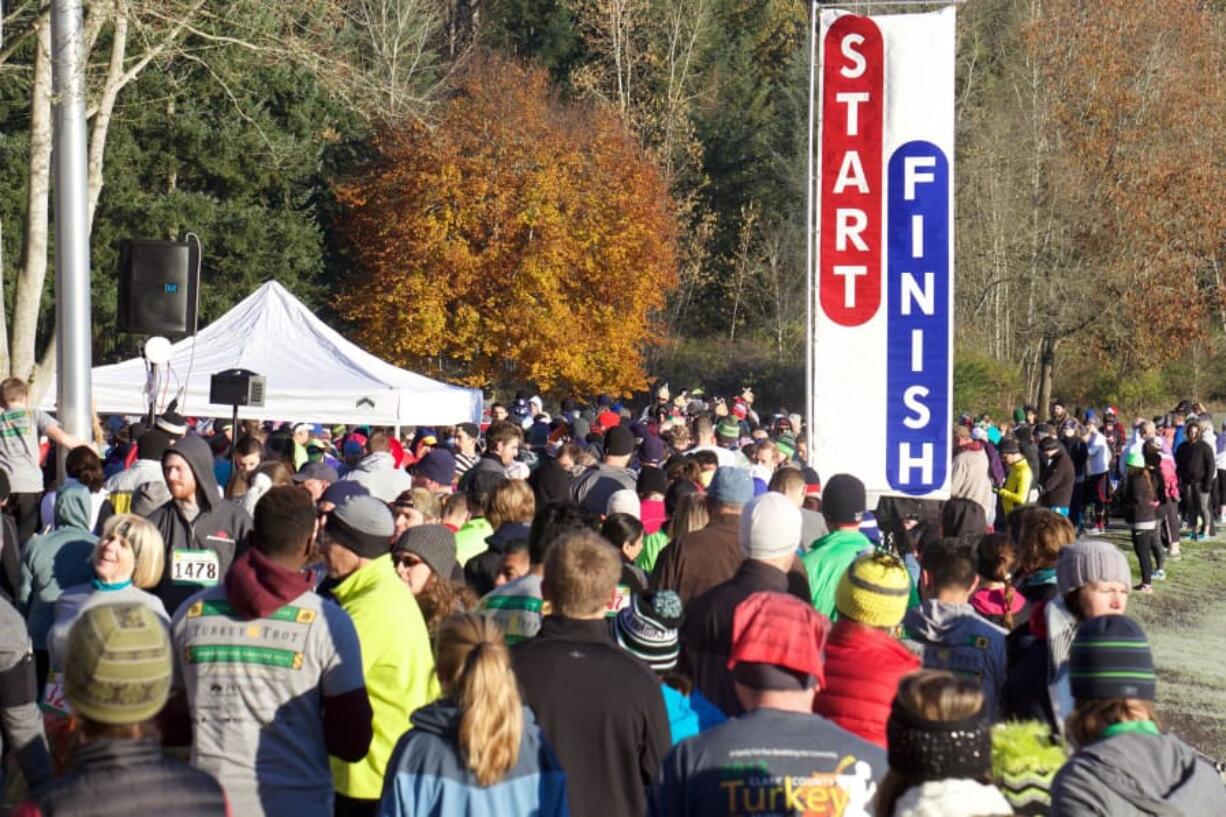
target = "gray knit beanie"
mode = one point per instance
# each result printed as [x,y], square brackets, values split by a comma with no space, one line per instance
[433,544]
[362,524]
[1091,560]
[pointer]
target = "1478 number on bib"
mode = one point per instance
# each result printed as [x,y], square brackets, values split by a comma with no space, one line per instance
[196,567]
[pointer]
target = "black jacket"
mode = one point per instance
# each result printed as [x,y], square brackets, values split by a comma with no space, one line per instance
[601,710]
[122,778]
[1024,695]
[550,482]
[964,520]
[10,557]
[1196,465]
[481,571]
[706,634]
[1139,501]
[1058,480]
[1078,452]
[222,527]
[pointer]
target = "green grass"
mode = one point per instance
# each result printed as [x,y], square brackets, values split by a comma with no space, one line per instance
[1185,619]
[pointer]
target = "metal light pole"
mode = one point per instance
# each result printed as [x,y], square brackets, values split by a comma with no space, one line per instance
[72,307]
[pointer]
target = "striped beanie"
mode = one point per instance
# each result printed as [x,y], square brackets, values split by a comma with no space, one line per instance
[648,628]
[874,591]
[786,445]
[1110,658]
[117,664]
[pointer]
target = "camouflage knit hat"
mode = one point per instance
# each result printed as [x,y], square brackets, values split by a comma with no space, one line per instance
[118,664]
[1025,759]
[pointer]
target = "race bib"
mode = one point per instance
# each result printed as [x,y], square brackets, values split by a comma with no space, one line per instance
[618,601]
[54,700]
[194,567]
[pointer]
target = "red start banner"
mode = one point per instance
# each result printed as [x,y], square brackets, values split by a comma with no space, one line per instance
[853,98]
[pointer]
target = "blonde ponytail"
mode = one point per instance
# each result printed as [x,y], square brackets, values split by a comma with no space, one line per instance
[474,667]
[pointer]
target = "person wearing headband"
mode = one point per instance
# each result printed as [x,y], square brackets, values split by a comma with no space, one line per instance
[940,750]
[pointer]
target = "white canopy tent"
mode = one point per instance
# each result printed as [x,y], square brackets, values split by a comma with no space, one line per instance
[313,374]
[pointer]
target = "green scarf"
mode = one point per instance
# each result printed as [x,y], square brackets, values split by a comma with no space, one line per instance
[1131,728]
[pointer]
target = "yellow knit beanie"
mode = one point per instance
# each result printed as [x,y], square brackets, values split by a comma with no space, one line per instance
[874,591]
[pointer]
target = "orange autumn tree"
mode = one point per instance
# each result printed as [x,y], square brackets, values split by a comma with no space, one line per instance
[519,239]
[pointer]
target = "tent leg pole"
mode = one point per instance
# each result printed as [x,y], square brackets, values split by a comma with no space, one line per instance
[234,443]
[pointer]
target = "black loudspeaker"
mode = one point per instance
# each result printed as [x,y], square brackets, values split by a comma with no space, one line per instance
[159,287]
[236,387]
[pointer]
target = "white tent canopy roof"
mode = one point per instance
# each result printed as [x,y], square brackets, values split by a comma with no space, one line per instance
[313,374]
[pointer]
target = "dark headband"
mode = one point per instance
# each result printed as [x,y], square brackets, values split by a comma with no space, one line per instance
[921,749]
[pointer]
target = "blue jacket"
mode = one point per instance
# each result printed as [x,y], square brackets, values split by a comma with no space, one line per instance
[427,776]
[956,638]
[689,714]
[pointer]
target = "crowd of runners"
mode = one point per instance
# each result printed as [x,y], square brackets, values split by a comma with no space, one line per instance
[591,608]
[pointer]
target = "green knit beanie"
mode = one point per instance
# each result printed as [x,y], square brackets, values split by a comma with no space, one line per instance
[117,666]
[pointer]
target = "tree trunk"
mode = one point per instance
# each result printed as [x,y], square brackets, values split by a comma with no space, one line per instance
[28,292]
[1047,365]
[4,325]
[106,106]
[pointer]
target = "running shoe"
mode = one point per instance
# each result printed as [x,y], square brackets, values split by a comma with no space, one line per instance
[1144,588]
[1160,575]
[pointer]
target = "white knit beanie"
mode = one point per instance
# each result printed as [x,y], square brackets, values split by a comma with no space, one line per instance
[770,527]
[952,798]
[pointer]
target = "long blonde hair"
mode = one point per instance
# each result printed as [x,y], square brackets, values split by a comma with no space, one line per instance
[474,667]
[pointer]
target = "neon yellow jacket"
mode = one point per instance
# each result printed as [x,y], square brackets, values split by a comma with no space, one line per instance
[1017,485]
[470,539]
[398,664]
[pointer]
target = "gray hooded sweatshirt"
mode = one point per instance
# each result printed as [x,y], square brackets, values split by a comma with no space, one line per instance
[221,528]
[1137,775]
[956,638]
[378,474]
[21,721]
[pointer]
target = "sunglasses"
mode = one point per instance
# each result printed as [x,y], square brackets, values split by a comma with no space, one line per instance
[408,560]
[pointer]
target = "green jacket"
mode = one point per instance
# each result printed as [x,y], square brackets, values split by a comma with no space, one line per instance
[396,660]
[653,546]
[470,539]
[827,562]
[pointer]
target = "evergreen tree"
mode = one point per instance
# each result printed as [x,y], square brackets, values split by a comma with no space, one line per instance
[542,31]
